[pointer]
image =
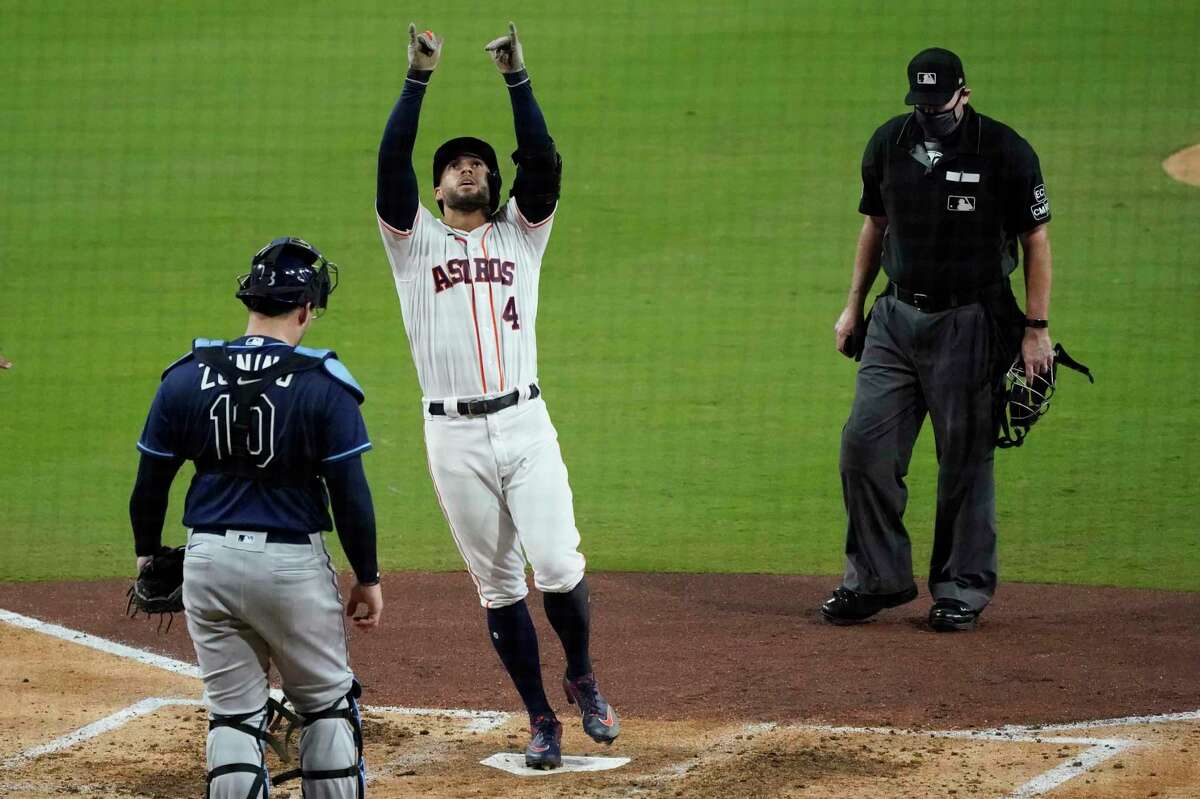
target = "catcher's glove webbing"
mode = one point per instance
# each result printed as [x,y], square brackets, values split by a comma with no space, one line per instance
[159,586]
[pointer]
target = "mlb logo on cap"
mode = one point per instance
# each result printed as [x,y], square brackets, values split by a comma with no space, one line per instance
[934,75]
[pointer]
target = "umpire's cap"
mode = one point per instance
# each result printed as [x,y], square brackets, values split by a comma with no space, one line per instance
[934,75]
[469,145]
[288,271]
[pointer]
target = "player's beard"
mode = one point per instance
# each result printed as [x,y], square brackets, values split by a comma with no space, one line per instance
[469,201]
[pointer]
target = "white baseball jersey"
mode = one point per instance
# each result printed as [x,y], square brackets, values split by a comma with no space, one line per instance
[470,301]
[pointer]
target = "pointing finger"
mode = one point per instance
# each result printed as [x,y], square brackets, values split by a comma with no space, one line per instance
[412,32]
[512,31]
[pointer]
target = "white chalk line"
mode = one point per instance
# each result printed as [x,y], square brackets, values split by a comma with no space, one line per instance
[107,724]
[480,720]
[1101,749]
[101,644]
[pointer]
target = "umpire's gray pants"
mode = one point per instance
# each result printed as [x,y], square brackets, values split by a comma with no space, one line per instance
[916,363]
[250,604]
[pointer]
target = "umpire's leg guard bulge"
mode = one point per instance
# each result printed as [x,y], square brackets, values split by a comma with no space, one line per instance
[331,756]
[237,766]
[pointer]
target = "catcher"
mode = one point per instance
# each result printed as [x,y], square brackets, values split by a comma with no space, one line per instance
[271,426]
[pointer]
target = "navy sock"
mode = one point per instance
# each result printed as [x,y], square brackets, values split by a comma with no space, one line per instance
[570,616]
[516,643]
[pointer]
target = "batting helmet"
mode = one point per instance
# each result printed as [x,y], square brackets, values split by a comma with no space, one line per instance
[288,271]
[469,145]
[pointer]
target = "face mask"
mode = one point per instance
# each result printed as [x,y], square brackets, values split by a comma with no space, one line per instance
[940,124]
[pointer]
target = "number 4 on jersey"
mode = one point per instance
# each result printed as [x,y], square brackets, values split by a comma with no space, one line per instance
[510,313]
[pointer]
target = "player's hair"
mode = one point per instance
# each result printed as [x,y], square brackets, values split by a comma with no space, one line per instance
[268,307]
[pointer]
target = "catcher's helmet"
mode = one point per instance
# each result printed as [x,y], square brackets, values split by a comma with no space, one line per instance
[469,145]
[289,271]
[1027,397]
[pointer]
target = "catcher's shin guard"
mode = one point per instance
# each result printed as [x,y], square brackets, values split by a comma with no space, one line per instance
[331,751]
[237,764]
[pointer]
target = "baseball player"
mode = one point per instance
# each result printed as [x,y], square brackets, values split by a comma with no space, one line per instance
[275,432]
[468,287]
[947,195]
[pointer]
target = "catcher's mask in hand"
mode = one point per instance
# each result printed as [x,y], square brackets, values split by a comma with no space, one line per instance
[1027,397]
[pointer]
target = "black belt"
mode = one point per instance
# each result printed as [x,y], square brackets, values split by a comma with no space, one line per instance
[932,303]
[273,536]
[483,407]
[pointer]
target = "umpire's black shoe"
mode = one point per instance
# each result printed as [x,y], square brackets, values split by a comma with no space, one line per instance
[851,607]
[545,743]
[948,615]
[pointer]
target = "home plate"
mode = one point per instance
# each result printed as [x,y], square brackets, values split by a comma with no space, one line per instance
[514,763]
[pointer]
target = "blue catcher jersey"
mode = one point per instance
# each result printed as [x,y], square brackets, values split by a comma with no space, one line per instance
[299,423]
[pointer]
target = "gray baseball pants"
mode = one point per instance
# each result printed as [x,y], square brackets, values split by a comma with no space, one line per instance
[249,604]
[916,363]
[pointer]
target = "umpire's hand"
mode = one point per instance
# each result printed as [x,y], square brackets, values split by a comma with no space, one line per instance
[372,597]
[506,51]
[424,49]
[850,332]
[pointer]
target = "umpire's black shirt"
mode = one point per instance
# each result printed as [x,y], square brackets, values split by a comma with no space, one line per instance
[952,220]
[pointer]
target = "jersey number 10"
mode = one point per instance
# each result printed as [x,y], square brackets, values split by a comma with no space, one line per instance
[260,441]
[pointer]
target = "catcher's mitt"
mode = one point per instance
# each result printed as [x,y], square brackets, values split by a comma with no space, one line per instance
[159,586]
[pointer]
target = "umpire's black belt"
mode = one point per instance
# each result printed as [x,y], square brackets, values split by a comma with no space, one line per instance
[273,536]
[483,407]
[932,303]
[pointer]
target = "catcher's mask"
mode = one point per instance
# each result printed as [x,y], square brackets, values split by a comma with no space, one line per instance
[289,271]
[469,145]
[1027,397]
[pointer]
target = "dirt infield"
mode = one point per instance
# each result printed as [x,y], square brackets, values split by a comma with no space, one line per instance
[729,685]
[1184,165]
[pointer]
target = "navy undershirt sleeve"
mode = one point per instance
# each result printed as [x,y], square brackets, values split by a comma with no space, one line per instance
[539,167]
[396,194]
[354,515]
[148,502]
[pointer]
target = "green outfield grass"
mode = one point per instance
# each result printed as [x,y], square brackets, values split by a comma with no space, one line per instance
[699,259]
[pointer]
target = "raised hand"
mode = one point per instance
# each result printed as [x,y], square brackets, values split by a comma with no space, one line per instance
[424,49]
[506,51]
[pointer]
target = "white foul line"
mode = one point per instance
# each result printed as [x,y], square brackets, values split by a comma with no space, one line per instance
[106,724]
[479,720]
[102,644]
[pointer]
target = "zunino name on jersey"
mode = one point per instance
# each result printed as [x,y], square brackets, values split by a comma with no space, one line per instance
[459,270]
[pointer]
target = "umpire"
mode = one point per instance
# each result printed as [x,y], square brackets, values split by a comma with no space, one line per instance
[947,194]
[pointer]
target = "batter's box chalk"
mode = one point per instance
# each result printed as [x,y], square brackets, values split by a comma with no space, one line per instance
[514,763]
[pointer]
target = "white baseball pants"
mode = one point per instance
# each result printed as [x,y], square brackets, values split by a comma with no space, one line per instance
[503,487]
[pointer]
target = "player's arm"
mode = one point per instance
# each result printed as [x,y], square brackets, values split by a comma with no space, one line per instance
[344,440]
[354,517]
[157,468]
[148,503]
[396,195]
[539,167]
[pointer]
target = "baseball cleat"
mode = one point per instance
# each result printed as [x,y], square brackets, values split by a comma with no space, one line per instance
[851,607]
[545,746]
[948,615]
[600,720]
